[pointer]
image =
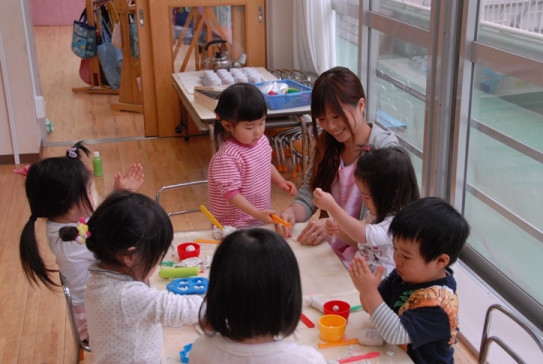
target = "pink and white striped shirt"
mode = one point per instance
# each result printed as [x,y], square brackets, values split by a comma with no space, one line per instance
[239,168]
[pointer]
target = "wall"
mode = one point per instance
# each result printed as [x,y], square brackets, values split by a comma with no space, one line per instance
[55,12]
[279,22]
[22,83]
[19,88]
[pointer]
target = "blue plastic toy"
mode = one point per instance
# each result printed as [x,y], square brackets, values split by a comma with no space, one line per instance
[192,285]
[184,354]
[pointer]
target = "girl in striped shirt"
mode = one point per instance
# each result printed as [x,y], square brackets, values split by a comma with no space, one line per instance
[241,172]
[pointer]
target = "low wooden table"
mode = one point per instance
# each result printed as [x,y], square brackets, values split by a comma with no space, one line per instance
[321,272]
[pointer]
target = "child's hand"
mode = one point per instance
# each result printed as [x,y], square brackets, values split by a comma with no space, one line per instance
[132,179]
[366,283]
[289,187]
[332,228]
[323,200]
[264,215]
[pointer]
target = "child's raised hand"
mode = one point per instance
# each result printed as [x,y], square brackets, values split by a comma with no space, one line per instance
[289,187]
[132,179]
[366,283]
[323,200]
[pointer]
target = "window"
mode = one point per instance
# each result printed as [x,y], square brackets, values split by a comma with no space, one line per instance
[460,83]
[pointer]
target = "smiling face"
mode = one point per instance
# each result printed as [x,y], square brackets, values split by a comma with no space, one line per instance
[339,126]
[246,132]
[412,267]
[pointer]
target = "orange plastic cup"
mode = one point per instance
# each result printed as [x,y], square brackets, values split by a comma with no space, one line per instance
[337,307]
[332,328]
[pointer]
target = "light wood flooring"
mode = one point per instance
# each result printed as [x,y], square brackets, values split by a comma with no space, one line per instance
[34,326]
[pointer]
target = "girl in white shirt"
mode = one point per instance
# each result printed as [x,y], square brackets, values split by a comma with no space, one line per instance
[387,181]
[253,303]
[129,234]
[59,190]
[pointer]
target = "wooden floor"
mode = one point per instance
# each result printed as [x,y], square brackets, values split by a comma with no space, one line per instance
[34,326]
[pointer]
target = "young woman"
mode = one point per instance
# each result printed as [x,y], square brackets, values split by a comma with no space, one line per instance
[338,103]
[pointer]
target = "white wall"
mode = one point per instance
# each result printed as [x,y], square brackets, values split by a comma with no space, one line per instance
[280,47]
[19,90]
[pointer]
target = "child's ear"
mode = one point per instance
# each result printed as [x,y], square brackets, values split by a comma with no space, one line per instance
[443,260]
[128,258]
[226,125]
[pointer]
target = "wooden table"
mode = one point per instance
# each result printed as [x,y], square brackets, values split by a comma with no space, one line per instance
[322,273]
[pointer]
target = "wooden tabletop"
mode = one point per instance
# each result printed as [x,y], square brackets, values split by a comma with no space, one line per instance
[322,274]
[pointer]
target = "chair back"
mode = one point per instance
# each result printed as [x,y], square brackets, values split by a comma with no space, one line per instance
[487,338]
[182,186]
[78,344]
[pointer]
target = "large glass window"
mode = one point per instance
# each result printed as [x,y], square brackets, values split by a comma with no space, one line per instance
[460,83]
[504,174]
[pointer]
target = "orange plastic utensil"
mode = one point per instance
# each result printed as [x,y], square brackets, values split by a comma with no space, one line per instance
[279,220]
[339,343]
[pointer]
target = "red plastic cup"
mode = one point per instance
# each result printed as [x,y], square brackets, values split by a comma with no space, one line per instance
[337,307]
[188,250]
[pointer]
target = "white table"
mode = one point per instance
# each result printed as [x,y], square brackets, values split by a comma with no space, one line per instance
[203,117]
[321,273]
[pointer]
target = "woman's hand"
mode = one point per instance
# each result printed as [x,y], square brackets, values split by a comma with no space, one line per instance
[314,233]
[288,215]
[332,228]
[132,179]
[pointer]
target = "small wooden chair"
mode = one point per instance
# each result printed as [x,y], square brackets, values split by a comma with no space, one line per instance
[80,346]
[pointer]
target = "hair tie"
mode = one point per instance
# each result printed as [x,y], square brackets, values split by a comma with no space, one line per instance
[366,148]
[32,218]
[82,231]
[72,152]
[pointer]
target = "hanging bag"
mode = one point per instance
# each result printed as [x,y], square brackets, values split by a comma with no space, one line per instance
[83,37]
[110,57]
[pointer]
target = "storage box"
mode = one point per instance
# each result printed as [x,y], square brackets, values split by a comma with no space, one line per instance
[289,100]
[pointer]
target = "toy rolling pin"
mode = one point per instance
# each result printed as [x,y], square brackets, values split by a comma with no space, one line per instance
[210,216]
[178,272]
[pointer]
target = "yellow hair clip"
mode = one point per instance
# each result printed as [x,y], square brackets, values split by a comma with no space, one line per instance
[82,231]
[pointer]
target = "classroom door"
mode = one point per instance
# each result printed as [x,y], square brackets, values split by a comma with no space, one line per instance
[172,35]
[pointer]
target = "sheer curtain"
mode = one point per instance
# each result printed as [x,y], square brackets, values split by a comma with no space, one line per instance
[314,35]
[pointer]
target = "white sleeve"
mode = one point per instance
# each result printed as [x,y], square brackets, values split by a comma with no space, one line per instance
[389,325]
[377,234]
[160,306]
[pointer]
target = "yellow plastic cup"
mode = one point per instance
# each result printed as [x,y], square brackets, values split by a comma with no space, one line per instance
[332,327]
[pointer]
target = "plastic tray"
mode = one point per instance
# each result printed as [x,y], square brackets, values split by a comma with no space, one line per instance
[193,285]
[287,101]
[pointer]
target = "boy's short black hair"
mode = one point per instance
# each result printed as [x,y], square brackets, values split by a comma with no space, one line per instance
[435,224]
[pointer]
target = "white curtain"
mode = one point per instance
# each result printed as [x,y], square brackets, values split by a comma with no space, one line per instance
[314,35]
